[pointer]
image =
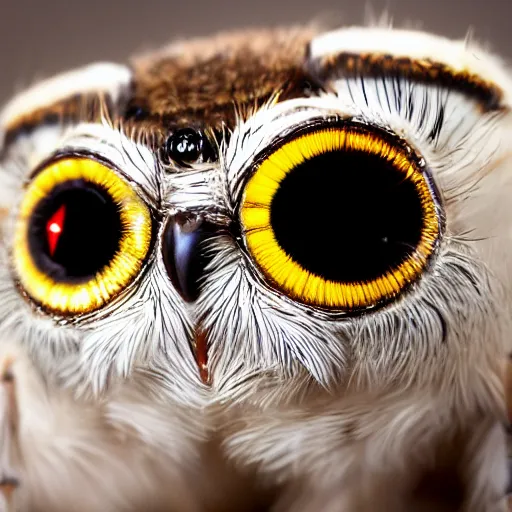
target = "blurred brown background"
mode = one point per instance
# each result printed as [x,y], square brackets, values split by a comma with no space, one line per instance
[41,37]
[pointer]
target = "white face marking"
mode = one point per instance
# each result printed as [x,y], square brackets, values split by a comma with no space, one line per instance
[137,162]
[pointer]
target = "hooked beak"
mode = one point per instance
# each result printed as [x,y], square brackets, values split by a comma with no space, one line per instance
[183,252]
[185,261]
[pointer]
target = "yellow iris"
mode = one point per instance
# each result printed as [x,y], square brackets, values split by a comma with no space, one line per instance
[280,267]
[134,241]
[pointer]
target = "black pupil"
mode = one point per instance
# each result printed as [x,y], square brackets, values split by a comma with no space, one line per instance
[88,227]
[347,216]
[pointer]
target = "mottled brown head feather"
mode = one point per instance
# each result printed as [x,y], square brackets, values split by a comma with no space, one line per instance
[205,81]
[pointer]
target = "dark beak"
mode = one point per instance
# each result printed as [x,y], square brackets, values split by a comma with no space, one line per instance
[183,251]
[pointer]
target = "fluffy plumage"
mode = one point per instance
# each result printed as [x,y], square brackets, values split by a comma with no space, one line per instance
[305,409]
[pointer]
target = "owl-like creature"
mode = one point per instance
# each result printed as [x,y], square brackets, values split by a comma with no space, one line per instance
[263,271]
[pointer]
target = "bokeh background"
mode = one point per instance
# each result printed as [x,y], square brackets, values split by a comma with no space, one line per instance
[41,37]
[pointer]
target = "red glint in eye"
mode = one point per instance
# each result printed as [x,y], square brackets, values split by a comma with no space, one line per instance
[54,228]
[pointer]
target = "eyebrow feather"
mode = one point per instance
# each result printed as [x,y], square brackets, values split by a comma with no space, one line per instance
[426,71]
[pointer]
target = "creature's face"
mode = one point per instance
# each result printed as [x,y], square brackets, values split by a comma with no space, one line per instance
[283,250]
[283,207]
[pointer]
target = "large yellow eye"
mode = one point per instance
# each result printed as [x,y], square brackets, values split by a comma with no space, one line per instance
[82,235]
[341,217]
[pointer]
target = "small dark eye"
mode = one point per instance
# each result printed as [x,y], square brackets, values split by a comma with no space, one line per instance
[186,146]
